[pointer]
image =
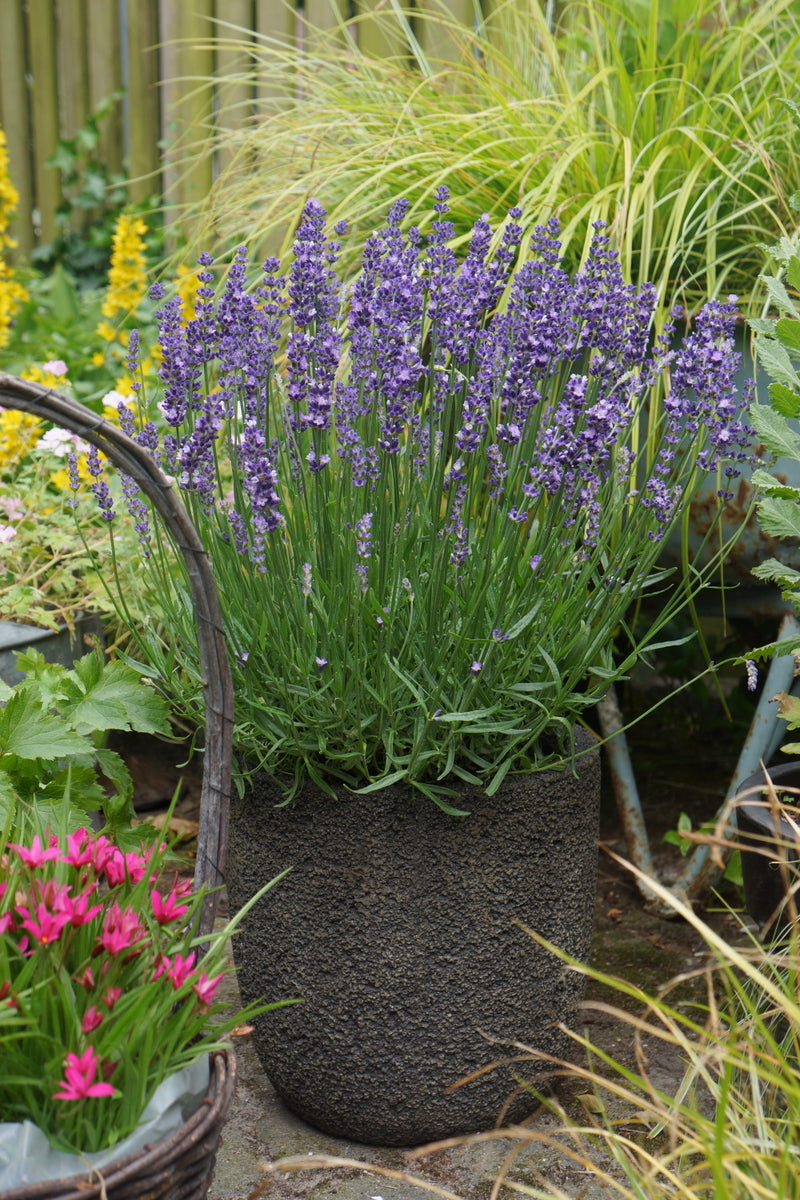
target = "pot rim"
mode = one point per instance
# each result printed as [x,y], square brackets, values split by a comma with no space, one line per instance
[786,775]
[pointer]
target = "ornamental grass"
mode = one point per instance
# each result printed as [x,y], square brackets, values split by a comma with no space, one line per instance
[671,122]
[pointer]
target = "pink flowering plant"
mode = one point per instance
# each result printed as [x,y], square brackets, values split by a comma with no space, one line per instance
[105,990]
[432,494]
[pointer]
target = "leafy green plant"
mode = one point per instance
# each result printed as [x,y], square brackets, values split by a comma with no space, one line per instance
[777,347]
[92,199]
[52,728]
[666,120]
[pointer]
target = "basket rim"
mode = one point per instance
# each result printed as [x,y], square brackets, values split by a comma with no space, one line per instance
[132,459]
[96,1181]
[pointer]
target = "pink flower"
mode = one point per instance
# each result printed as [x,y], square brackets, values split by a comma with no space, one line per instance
[180,968]
[111,997]
[78,909]
[80,849]
[6,922]
[204,988]
[92,1018]
[85,979]
[121,930]
[56,366]
[7,533]
[166,909]
[80,1072]
[121,867]
[14,508]
[42,924]
[35,854]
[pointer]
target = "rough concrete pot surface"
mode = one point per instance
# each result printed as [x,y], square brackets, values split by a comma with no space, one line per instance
[398,926]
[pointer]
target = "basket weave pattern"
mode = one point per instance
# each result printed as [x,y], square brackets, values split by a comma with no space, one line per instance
[179,1167]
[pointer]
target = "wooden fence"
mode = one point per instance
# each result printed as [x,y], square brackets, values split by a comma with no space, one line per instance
[59,59]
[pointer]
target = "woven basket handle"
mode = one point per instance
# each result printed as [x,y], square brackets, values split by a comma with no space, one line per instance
[131,458]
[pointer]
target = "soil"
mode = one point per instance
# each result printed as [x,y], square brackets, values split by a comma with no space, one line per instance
[683,758]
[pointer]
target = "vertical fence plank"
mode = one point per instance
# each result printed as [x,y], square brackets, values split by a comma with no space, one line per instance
[318,21]
[44,114]
[143,100]
[105,75]
[275,20]
[232,63]
[437,41]
[186,100]
[14,120]
[379,32]
[73,83]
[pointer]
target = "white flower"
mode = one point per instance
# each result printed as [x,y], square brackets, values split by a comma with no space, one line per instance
[59,442]
[56,366]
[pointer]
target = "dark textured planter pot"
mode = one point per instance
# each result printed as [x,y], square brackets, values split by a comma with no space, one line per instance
[762,875]
[397,926]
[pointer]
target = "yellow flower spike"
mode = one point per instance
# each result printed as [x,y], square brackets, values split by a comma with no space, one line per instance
[127,279]
[18,434]
[12,294]
[9,196]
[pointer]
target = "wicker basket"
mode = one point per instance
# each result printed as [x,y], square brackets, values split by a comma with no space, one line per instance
[179,1167]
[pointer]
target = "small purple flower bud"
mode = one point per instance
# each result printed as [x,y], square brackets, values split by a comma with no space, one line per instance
[476,667]
[305,586]
[534,562]
[321,663]
[752,675]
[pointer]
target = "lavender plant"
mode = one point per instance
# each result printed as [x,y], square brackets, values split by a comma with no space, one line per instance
[431,497]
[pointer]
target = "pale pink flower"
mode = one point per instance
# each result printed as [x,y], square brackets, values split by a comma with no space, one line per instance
[7,533]
[56,366]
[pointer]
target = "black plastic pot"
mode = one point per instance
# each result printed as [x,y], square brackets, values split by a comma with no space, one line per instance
[399,926]
[763,873]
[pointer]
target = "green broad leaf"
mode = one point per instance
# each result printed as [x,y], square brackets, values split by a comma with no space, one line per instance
[788,331]
[784,400]
[762,325]
[791,748]
[764,482]
[774,359]
[8,799]
[111,696]
[779,518]
[115,771]
[778,294]
[29,733]
[62,296]
[76,785]
[772,568]
[788,709]
[775,432]
[774,650]
[793,271]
